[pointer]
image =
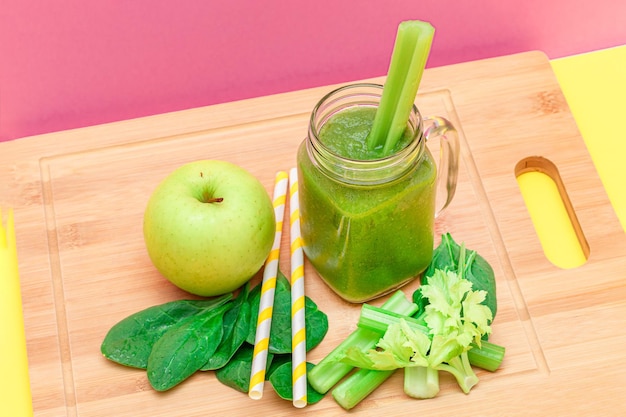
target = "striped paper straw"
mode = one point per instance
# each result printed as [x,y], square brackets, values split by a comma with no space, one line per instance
[266,305]
[298,330]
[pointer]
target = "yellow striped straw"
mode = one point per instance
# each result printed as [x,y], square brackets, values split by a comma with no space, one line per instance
[268,286]
[298,328]
[15,395]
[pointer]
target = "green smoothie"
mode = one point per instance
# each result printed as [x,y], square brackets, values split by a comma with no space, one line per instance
[346,133]
[365,240]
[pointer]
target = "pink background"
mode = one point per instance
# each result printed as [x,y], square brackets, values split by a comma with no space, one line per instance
[74,63]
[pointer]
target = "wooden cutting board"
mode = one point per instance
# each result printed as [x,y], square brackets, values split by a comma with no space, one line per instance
[79,198]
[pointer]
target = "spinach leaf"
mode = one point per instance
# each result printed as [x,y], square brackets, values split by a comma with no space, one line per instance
[182,350]
[236,373]
[254,299]
[481,274]
[316,324]
[282,383]
[277,361]
[280,333]
[316,321]
[236,323]
[130,341]
[282,285]
[445,257]
[174,340]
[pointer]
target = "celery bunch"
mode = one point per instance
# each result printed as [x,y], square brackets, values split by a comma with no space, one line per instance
[402,336]
[455,319]
[448,334]
[363,381]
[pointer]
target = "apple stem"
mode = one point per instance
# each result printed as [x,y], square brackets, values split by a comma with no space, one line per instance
[214,200]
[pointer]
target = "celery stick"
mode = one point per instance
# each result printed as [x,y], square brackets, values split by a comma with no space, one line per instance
[421,382]
[408,61]
[403,49]
[377,320]
[358,386]
[409,91]
[488,356]
[329,370]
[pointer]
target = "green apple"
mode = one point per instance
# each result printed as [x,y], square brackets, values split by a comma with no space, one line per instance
[209,227]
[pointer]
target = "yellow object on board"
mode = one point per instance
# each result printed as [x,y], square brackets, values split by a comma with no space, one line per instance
[594,85]
[552,223]
[15,395]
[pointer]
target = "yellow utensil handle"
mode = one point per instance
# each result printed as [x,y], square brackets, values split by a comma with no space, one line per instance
[15,394]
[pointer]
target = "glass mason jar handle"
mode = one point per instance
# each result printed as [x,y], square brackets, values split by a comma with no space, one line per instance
[448,166]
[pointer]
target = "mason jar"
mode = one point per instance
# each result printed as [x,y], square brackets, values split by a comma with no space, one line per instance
[367,223]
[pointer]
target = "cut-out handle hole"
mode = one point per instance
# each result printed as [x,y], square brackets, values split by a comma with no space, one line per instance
[561,237]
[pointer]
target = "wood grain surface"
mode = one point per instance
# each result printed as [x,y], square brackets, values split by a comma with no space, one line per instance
[79,198]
